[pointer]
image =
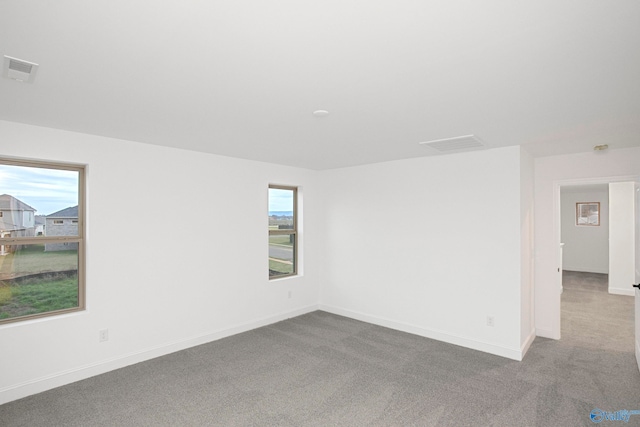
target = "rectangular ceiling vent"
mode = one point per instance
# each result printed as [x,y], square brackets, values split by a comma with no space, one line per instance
[18,69]
[455,145]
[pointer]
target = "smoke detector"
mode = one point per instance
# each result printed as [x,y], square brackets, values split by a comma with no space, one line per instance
[456,144]
[18,69]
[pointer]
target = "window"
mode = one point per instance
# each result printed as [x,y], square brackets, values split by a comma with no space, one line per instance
[41,267]
[283,233]
[588,213]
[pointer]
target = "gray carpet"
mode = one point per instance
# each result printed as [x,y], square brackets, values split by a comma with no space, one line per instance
[593,318]
[325,370]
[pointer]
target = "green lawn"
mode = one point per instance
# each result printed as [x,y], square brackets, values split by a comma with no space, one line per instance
[280,268]
[280,239]
[32,259]
[38,296]
[40,293]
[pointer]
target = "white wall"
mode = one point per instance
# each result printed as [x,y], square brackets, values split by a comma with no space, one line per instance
[550,173]
[586,248]
[430,246]
[527,321]
[622,233]
[162,286]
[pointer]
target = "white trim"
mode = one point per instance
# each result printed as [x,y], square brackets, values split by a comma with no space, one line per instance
[597,180]
[638,353]
[546,333]
[527,343]
[498,350]
[586,270]
[555,315]
[627,292]
[38,385]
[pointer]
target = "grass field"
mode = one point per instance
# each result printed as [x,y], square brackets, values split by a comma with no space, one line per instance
[32,259]
[38,294]
[280,268]
[280,240]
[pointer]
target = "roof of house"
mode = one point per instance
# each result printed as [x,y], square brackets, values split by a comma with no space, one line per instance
[10,203]
[40,219]
[71,212]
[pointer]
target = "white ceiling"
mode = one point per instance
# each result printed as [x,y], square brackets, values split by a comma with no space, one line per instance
[242,77]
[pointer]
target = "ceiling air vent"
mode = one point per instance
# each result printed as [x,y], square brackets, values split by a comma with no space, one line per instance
[17,69]
[455,145]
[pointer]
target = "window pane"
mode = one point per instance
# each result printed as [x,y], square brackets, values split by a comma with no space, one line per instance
[38,201]
[281,255]
[282,231]
[37,279]
[588,213]
[281,202]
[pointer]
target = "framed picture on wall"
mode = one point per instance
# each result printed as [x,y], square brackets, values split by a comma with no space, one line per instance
[588,213]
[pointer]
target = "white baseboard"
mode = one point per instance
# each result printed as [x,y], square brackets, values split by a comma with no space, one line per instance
[510,353]
[638,353]
[586,270]
[617,291]
[545,333]
[38,385]
[527,343]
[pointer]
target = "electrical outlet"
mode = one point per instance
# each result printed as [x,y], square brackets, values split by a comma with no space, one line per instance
[490,321]
[103,335]
[289,294]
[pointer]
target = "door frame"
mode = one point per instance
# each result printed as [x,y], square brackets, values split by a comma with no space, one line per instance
[636,294]
[556,308]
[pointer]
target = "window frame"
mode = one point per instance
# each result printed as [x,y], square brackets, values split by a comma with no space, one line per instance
[289,232]
[79,239]
[579,215]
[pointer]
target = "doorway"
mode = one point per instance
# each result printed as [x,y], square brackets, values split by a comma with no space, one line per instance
[584,233]
[591,314]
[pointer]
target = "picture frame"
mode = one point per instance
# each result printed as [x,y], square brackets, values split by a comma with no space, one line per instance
[588,214]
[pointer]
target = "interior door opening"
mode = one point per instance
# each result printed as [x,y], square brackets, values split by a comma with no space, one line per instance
[585,267]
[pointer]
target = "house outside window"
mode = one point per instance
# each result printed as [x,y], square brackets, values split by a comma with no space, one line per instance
[64,220]
[41,265]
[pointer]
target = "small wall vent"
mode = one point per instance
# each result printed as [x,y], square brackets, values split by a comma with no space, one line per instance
[455,145]
[18,69]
